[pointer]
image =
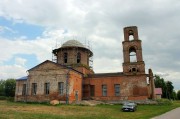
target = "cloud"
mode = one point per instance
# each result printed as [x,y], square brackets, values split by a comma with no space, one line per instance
[105,65]
[6,29]
[51,13]
[20,61]
[12,71]
[101,23]
[162,74]
[20,46]
[41,47]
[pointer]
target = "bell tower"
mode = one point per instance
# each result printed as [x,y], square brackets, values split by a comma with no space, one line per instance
[132,52]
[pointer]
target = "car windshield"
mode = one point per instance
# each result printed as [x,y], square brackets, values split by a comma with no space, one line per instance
[129,104]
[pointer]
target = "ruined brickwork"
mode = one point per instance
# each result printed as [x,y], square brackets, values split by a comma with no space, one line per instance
[84,70]
[72,71]
[72,56]
[52,73]
[132,81]
[132,46]
[19,96]
[131,87]
[75,87]
[78,56]
[151,85]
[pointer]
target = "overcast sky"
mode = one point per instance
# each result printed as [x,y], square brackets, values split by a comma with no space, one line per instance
[30,29]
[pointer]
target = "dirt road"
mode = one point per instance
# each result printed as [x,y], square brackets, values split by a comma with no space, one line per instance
[173,114]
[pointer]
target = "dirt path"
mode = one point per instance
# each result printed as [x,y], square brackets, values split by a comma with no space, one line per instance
[173,114]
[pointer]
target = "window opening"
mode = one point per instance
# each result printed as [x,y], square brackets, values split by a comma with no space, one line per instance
[117,89]
[133,69]
[148,80]
[92,90]
[132,54]
[78,57]
[24,89]
[65,57]
[131,35]
[61,87]
[47,88]
[133,57]
[104,90]
[34,88]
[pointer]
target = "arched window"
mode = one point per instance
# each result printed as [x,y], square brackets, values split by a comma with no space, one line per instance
[133,69]
[132,54]
[78,57]
[65,57]
[131,35]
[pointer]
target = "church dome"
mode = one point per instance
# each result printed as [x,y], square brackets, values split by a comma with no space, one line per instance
[70,45]
[73,43]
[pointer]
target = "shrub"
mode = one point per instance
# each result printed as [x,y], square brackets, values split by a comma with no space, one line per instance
[10,85]
[164,102]
[11,99]
[178,95]
[2,97]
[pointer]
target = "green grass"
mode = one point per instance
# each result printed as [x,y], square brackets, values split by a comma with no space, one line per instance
[12,110]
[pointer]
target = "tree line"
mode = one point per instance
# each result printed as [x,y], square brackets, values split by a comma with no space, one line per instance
[7,87]
[167,88]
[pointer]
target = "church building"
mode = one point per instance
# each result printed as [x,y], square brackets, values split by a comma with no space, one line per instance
[70,77]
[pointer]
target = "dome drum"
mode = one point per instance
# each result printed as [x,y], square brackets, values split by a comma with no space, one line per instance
[73,52]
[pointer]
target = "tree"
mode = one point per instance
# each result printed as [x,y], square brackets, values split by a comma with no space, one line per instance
[160,83]
[169,89]
[178,95]
[174,95]
[10,85]
[2,87]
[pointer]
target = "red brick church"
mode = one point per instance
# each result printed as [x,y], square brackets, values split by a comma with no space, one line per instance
[70,78]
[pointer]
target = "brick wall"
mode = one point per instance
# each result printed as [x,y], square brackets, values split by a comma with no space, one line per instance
[72,56]
[50,73]
[131,87]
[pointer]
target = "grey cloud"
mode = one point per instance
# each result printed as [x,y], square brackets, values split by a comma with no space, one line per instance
[102,22]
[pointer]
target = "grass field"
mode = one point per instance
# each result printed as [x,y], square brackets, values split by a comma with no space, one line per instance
[12,110]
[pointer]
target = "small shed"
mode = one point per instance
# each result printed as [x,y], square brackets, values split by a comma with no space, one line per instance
[158,93]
